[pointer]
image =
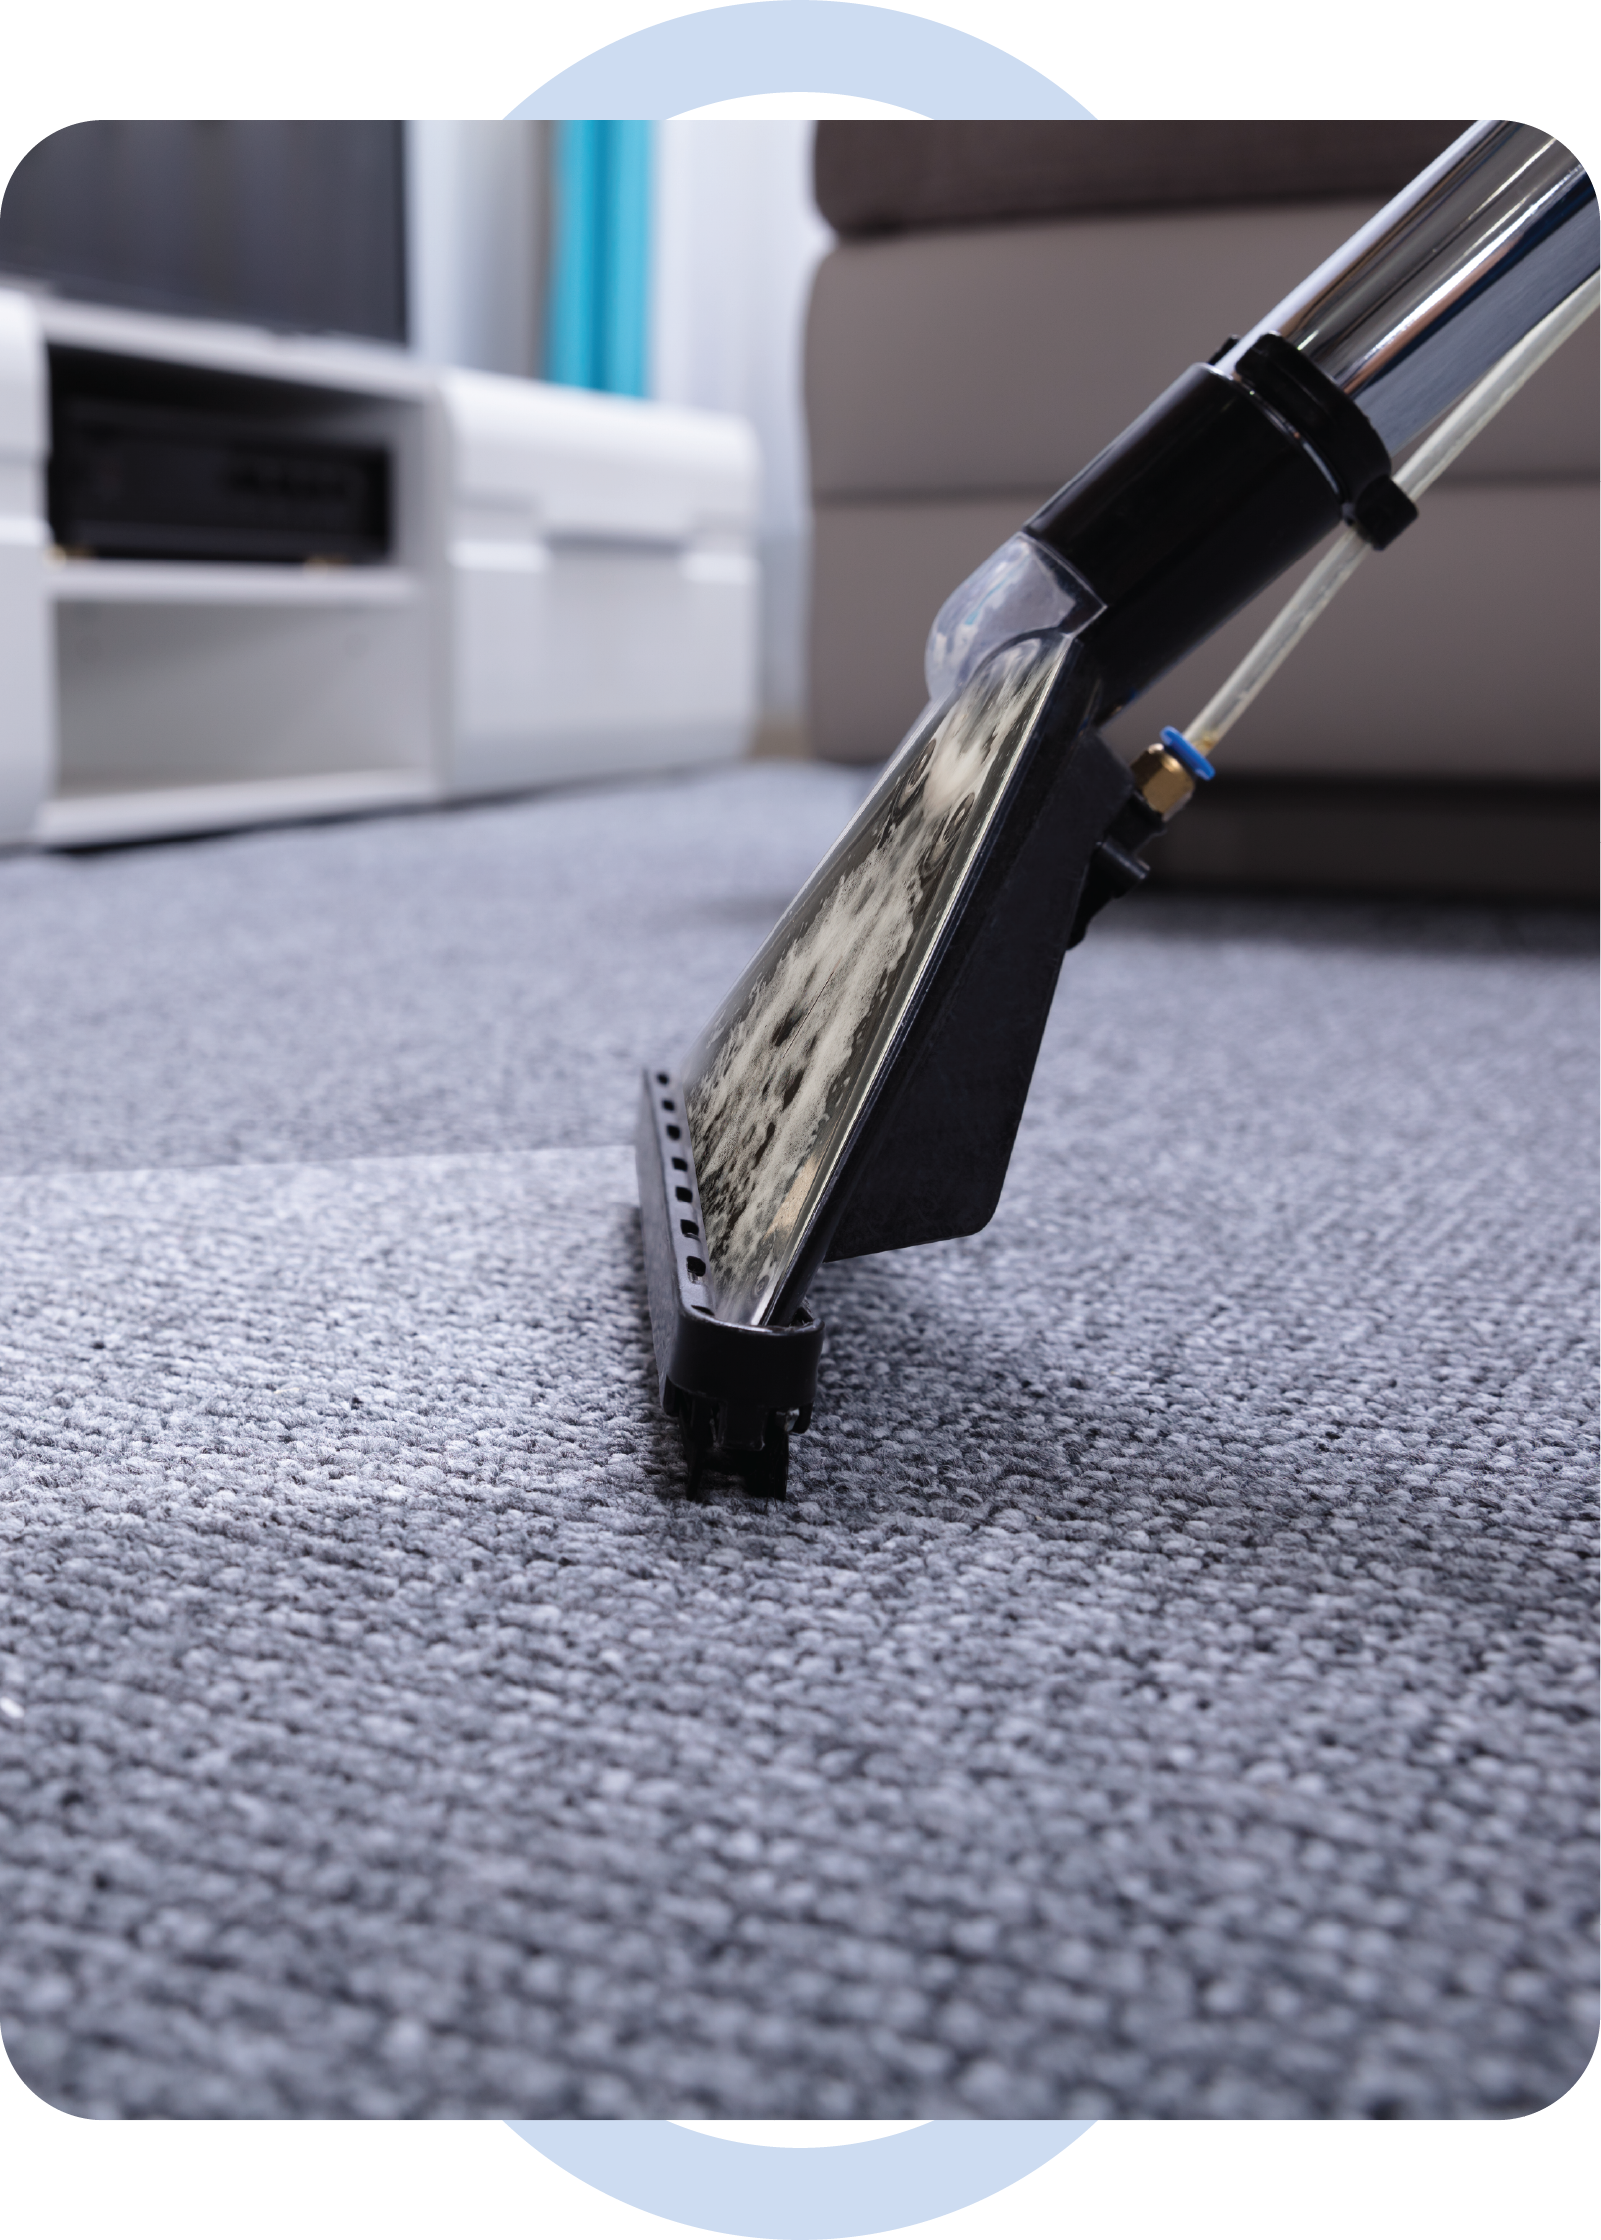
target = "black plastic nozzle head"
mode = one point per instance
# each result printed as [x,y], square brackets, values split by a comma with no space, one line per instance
[860,1088]
[737,1390]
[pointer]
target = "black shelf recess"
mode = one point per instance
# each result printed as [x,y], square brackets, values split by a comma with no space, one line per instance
[737,1391]
[156,463]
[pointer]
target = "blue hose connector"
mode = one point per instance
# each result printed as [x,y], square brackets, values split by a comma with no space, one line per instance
[1192,758]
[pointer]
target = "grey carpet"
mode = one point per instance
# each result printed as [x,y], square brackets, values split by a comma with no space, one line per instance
[1168,1692]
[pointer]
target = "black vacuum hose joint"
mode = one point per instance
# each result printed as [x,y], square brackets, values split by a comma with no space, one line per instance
[1225,482]
[1338,432]
[1203,501]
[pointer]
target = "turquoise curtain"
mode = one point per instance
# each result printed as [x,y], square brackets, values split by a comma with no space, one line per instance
[597,319]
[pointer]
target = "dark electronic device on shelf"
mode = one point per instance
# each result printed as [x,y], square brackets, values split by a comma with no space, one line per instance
[170,463]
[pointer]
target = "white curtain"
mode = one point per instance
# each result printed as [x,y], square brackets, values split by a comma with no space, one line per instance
[736,240]
[475,240]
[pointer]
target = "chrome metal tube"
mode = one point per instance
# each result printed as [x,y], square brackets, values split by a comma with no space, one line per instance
[1419,304]
[1420,472]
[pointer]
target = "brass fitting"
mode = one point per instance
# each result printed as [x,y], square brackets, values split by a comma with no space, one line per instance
[1163,780]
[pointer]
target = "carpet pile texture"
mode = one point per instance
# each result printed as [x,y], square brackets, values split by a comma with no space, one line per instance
[1168,1690]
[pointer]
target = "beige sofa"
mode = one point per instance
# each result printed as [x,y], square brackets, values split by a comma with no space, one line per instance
[1004,298]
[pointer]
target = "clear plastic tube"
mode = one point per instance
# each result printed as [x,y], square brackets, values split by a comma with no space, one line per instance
[1425,466]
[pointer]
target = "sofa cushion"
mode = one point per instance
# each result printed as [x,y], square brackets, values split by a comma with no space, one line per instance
[898,176]
[1003,358]
[1467,650]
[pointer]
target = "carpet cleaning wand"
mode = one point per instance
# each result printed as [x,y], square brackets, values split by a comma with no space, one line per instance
[860,1087]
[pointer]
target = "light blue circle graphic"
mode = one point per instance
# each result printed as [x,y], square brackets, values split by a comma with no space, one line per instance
[799,46]
[800,2193]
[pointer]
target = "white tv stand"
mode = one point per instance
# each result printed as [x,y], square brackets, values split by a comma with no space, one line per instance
[569,591]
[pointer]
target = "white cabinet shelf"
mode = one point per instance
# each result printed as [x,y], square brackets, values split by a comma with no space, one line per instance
[539,585]
[98,818]
[149,583]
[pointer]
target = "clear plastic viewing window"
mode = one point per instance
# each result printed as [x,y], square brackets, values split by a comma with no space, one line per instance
[780,1080]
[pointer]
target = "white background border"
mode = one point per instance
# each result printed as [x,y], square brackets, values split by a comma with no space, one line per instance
[1121,58]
